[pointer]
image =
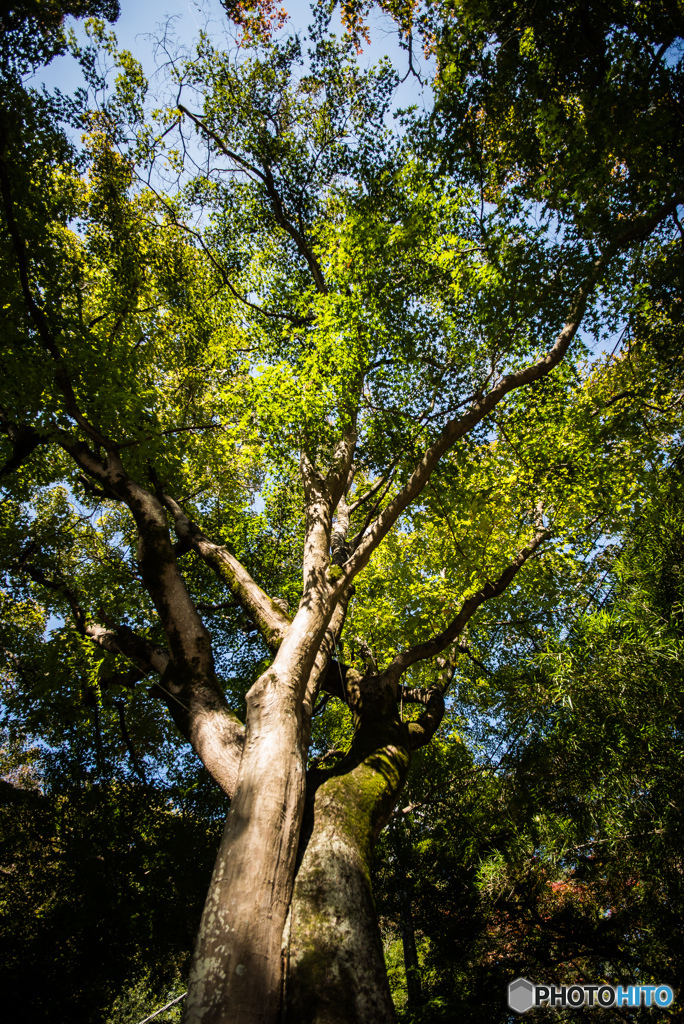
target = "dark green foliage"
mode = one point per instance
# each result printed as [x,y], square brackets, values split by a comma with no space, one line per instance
[577,102]
[101,885]
[556,854]
[32,31]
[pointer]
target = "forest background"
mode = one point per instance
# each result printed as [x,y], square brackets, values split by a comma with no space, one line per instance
[539,832]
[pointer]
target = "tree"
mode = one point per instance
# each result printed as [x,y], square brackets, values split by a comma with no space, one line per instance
[98,897]
[341,365]
[554,852]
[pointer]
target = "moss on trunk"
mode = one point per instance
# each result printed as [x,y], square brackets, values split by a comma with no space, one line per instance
[335,968]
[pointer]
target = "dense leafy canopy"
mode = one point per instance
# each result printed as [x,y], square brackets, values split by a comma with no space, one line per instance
[211,285]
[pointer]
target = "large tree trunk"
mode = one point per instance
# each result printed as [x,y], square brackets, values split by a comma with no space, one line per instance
[237,968]
[335,969]
[331,948]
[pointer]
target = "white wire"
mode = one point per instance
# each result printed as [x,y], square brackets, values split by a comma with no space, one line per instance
[157,1012]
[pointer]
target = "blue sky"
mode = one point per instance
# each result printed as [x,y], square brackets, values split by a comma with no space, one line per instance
[139,23]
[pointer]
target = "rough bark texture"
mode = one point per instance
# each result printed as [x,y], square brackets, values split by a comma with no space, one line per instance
[335,969]
[236,974]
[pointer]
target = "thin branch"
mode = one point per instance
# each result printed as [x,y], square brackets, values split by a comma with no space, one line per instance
[356,540]
[369,494]
[297,236]
[147,656]
[324,665]
[218,141]
[438,643]
[126,737]
[484,404]
[476,661]
[266,177]
[297,321]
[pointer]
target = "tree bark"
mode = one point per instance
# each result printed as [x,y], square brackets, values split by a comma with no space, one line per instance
[236,972]
[236,976]
[408,939]
[334,964]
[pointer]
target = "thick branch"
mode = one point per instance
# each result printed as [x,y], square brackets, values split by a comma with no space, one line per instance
[424,728]
[195,702]
[338,541]
[271,620]
[188,639]
[188,684]
[643,227]
[118,639]
[323,495]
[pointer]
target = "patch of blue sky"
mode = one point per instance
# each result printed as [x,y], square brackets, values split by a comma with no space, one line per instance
[157,30]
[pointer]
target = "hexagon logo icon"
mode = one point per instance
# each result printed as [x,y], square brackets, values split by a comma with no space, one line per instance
[521,995]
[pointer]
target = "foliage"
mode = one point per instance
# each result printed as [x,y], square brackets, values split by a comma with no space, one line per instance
[142,1000]
[560,844]
[213,293]
[98,889]
[33,30]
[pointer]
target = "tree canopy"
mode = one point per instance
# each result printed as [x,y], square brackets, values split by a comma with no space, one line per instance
[333,437]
